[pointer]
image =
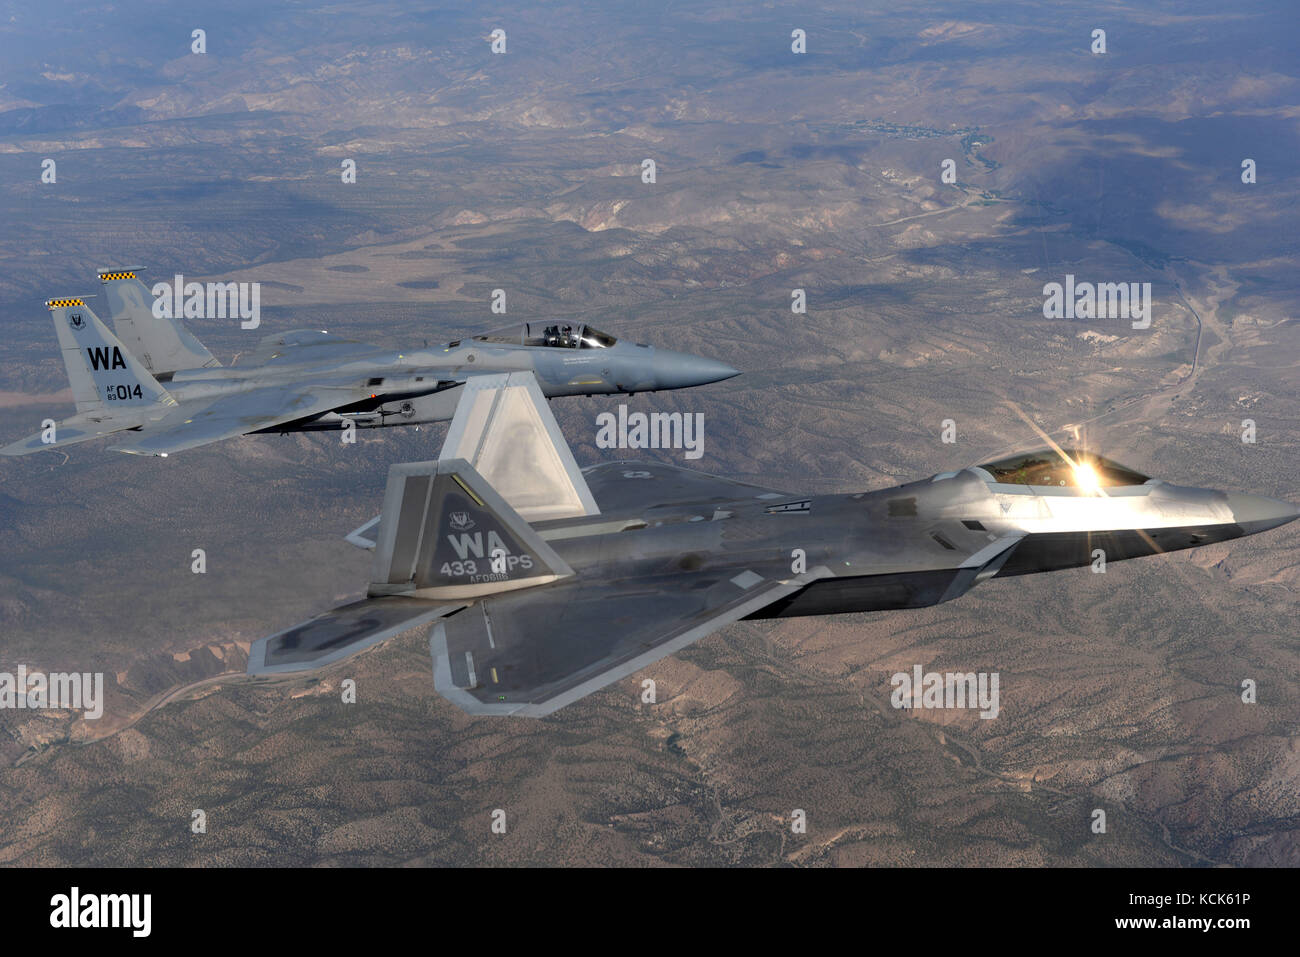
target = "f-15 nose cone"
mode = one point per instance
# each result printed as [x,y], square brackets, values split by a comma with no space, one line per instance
[680,370]
[1255,513]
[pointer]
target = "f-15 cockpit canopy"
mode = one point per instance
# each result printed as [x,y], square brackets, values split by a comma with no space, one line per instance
[1078,469]
[559,335]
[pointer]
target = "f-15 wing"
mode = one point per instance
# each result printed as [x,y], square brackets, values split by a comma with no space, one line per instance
[194,424]
[304,345]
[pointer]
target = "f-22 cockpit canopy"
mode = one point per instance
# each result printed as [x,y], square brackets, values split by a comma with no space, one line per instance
[556,335]
[1068,467]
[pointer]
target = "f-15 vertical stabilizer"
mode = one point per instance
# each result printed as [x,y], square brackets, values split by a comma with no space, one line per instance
[112,390]
[164,346]
[104,374]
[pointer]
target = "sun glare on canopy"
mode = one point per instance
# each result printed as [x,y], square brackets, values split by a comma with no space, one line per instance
[1076,469]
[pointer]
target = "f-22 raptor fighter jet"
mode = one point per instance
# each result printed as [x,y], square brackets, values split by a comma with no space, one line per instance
[157,386]
[544,583]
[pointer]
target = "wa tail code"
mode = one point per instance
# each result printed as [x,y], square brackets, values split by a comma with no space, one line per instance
[102,357]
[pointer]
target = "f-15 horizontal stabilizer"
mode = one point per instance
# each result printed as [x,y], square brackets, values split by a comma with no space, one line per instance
[504,428]
[79,428]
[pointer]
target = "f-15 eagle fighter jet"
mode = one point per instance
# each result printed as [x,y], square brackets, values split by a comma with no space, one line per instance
[543,583]
[156,387]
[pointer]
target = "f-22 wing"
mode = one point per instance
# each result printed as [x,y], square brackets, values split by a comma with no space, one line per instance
[532,652]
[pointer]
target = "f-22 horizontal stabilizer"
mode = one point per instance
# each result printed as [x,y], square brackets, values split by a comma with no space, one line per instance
[339,633]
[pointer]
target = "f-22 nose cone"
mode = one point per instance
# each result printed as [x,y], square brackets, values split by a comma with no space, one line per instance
[1255,513]
[680,370]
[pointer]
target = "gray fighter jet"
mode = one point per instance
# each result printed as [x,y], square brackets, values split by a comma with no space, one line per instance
[544,583]
[157,385]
